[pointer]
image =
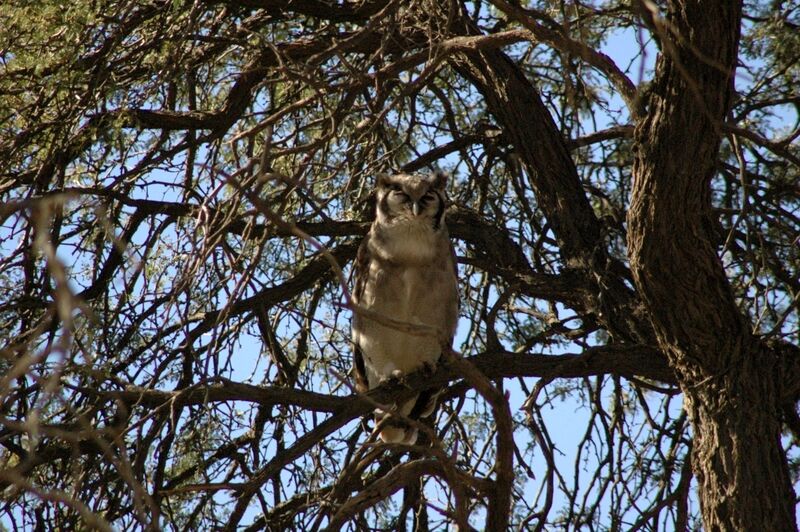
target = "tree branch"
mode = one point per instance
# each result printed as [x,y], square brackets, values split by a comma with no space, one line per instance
[624,361]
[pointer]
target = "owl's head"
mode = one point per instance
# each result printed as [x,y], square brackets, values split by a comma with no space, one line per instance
[411,198]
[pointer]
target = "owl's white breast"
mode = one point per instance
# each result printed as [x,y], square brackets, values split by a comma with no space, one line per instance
[412,242]
[411,293]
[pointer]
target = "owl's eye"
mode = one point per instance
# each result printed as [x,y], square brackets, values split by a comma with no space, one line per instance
[427,198]
[397,190]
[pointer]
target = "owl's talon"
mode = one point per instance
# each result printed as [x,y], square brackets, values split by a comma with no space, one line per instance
[395,378]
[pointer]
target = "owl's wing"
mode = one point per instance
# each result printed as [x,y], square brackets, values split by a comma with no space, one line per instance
[452,321]
[361,269]
[360,272]
[359,370]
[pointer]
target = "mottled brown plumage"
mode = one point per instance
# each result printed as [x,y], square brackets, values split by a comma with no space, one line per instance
[405,270]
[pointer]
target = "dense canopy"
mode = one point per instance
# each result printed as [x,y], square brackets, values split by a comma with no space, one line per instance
[184,185]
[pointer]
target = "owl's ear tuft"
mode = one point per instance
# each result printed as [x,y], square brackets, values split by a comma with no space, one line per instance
[382,179]
[439,180]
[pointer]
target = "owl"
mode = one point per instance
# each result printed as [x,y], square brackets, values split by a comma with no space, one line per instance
[405,270]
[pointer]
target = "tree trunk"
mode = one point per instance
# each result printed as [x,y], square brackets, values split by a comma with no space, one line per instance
[731,381]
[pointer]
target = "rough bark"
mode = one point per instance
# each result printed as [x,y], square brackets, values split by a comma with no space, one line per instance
[730,379]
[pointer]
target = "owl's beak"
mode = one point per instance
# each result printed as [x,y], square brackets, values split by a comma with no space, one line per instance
[415,208]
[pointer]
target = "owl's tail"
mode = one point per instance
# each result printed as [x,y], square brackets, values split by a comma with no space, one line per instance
[395,429]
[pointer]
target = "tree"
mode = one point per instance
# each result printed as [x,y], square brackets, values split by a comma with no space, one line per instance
[184,186]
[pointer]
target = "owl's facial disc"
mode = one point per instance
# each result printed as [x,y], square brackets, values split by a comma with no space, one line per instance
[411,199]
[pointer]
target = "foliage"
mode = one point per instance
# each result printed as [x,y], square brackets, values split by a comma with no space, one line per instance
[180,180]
